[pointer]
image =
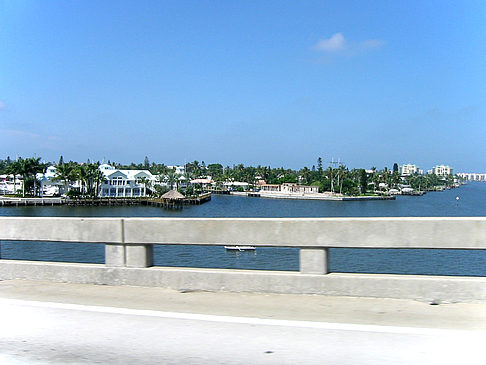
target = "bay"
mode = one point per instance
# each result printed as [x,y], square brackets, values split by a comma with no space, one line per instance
[471,203]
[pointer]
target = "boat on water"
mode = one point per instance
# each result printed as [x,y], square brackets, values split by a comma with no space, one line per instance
[240,248]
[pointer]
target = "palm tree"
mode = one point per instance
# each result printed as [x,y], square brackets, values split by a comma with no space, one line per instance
[96,178]
[13,169]
[81,172]
[65,172]
[143,180]
[28,168]
[93,178]
[341,172]
[172,178]
[395,179]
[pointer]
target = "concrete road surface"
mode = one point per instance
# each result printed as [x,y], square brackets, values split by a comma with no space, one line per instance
[46,323]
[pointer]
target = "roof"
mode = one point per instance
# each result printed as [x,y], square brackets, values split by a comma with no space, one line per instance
[202,181]
[235,183]
[173,194]
[130,174]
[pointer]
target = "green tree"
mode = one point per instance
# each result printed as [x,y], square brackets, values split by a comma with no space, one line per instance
[66,173]
[319,165]
[215,170]
[28,168]
[144,181]
[172,178]
[363,181]
[13,169]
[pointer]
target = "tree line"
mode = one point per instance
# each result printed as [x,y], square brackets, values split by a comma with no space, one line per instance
[88,174]
[337,179]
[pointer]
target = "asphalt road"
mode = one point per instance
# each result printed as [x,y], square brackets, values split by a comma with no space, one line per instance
[40,332]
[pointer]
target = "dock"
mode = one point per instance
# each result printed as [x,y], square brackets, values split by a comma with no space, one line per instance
[157,202]
[177,204]
[16,202]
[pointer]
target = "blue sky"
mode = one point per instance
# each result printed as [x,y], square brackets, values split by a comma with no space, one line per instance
[255,82]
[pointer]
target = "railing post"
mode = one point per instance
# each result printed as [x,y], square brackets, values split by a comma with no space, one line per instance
[314,260]
[115,255]
[139,255]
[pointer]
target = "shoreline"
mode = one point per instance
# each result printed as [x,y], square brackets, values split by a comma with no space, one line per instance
[312,196]
[113,201]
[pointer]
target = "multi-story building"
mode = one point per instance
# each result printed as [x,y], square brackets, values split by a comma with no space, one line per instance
[9,184]
[409,169]
[125,183]
[49,186]
[472,176]
[442,170]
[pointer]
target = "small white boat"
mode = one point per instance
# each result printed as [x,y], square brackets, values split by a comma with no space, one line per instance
[240,248]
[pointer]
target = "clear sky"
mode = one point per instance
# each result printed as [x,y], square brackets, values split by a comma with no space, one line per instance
[255,82]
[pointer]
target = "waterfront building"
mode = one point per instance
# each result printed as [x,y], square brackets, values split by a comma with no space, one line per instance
[299,189]
[180,170]
[271,188]
[49,186]
[234,185]
[125,183]
[204,182]
[9,185]
[289,188]
[409,169]
[442,170]
[472,176]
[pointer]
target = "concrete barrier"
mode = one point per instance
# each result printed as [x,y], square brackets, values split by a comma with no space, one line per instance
[129,253]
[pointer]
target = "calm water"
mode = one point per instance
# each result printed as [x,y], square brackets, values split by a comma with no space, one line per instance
[472,202]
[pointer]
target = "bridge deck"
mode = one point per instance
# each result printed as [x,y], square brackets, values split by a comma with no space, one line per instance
[72,323]
[316,308]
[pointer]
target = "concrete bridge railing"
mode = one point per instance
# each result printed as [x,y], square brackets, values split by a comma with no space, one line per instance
[129,252]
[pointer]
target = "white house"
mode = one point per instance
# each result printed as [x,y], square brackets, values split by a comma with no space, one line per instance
[125,183]
[49,186]
[289,188]
[204,182]
[234,185]
[299,189]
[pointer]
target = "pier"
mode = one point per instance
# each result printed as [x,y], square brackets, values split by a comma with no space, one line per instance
[16,202]
[176,203]
[157,202]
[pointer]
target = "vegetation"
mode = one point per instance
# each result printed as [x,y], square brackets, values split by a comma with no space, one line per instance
[336,179]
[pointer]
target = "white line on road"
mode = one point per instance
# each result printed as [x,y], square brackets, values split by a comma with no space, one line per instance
[240,320]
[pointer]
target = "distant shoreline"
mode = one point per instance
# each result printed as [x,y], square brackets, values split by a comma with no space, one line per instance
[313,196]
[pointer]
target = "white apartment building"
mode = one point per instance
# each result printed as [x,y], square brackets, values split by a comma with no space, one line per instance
[472,176]
[409,169]
[125,183]
[442,170]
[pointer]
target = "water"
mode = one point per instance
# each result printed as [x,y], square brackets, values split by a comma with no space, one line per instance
[472,203]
